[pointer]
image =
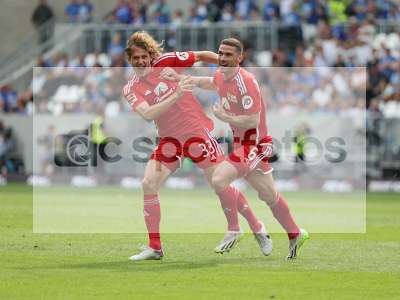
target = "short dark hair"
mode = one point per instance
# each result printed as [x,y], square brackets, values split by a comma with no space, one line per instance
[233,43]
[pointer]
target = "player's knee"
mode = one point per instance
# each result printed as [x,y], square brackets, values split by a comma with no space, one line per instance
[218,182]
[149,186]
[268,196]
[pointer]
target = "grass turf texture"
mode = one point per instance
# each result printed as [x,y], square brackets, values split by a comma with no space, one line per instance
[95,266]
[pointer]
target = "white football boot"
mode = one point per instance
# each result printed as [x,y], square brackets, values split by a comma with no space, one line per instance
[264,241]
[148,254]
[296,243]
[231,238]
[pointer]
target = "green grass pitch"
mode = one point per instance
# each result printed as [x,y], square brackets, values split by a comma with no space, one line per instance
[95,266]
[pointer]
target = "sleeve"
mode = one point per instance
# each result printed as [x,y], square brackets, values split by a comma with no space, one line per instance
[251,98]
[133,99]
[176,59]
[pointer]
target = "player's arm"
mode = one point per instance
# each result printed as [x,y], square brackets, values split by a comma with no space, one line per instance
[242,121]
[247,122]
[152,112]
[206,57]
[202,82]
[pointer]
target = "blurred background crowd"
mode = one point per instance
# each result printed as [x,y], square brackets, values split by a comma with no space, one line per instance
[290,12]
[326,34]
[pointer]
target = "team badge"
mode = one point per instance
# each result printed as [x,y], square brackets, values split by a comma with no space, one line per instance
[247,102]
[182,55]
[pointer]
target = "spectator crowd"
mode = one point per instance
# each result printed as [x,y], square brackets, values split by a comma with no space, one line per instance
[329,33]
[289,12]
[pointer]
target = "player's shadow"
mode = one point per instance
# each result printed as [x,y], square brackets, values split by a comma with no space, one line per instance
[152,266]
[144,266]
[162,265]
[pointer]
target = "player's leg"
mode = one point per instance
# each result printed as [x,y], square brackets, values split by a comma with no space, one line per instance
[228,199]
[236,197]
[223,175]
[154,177]
[207,154]
[226,173]
[265,186]
[257,227]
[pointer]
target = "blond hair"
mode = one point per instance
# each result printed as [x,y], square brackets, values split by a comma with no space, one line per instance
[145,41]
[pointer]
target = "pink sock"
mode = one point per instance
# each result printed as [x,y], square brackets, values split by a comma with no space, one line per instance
[152,217]
[245,210]
[228,203]
[282,213]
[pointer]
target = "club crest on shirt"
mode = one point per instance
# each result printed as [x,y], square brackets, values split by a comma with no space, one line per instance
[182,55]
[247,102]
[161,88]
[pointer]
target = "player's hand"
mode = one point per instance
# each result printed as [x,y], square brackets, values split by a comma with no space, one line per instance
[219,112]
[170,74]
[186,84]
